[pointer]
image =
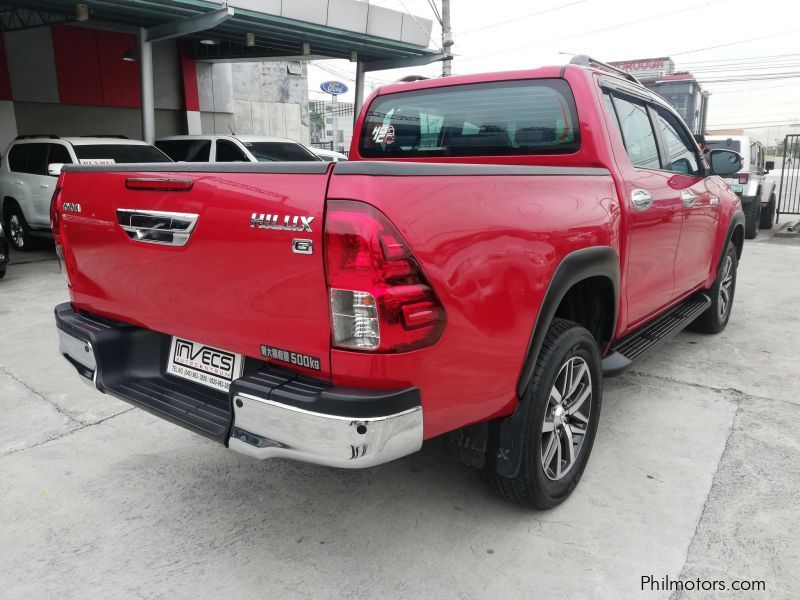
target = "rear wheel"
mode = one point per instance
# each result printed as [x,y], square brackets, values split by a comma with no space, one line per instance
[19,234]
[562,407]
[768,213]
[716,316]
[752,218]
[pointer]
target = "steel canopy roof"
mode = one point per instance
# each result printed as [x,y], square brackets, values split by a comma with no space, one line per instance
[275,36]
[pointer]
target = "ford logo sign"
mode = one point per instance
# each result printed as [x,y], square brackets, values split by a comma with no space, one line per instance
[333,87]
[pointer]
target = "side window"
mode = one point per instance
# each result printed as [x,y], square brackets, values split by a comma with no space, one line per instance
[18,157]
[611,111]
[637,133]
[681,157]
[58,154]
[229,152]
[37,159]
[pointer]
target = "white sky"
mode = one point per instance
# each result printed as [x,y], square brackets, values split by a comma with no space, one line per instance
[700,36]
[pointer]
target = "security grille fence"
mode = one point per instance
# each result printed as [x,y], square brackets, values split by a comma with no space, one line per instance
[789,191]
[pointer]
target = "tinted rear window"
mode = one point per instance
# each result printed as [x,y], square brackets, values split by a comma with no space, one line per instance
[186,150]
[121,153]
[279,151]
[489,119]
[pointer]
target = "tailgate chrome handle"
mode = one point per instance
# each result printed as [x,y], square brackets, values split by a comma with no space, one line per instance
[157,227]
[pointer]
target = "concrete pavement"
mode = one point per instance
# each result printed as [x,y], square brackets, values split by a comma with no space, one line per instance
[695,473]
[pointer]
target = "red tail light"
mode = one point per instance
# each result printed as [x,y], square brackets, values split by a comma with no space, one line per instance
[744,178]
[380,299]
[55,218]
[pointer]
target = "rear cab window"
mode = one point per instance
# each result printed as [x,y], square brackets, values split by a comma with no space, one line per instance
[510,118]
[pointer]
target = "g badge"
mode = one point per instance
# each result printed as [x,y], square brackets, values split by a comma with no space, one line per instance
[302,246]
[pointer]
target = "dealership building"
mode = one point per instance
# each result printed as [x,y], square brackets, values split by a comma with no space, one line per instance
[146,68]
[680,89]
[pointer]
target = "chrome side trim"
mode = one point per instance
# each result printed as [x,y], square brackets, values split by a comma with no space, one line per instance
[266,429]
[157,227]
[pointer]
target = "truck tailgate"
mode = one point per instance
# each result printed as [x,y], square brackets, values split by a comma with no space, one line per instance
[235,279]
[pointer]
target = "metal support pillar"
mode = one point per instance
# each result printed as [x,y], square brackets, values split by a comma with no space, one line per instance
[146,81]
[359,91]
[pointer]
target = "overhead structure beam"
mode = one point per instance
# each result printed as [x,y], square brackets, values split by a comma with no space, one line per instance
[412,61]
[190,25]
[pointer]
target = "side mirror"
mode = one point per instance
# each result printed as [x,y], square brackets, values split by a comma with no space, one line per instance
[54,169]
[769,165]
[725,162]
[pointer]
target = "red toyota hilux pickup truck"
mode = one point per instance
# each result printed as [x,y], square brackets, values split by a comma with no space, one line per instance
[496,245]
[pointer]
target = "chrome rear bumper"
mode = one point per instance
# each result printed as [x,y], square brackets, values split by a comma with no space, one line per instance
[267,413]
[264,429]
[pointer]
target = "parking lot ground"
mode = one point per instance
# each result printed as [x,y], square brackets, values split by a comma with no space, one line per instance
[695,473]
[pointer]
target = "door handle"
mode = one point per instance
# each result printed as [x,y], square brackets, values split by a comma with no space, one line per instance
[18,182]
[157,227]
[641,199]
[688,198]
[44,185]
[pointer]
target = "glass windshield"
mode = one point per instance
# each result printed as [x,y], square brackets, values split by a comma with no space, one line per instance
[279,151]
[120,153]
[186,150]
[492,119]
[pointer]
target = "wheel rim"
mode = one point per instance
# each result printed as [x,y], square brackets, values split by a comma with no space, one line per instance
[15,231]
[725,287]
[566,419]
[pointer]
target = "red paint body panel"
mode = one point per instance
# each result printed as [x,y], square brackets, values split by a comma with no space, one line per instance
[231,286]
[488,245]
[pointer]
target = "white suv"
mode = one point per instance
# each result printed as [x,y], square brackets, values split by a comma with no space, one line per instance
[230,148]
[30,167]
[750,184]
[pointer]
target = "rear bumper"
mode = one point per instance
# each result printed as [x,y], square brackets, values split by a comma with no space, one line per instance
[268,412]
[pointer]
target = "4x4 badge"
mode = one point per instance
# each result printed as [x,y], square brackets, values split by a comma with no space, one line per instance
[287,223]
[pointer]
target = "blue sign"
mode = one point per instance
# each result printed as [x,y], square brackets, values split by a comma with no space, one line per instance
[335,88]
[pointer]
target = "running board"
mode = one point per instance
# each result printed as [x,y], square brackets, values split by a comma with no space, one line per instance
[652,335]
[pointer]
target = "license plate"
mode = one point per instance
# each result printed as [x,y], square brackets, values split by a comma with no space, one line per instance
[737,189]
[202,364]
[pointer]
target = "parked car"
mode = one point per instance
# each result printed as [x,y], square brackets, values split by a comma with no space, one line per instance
[329,155]
[750,183]
[229,148]
[31,164]
[4,257]
[494,247]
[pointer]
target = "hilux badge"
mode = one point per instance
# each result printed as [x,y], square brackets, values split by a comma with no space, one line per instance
[285,223]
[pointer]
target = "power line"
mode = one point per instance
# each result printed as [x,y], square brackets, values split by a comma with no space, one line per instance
[435,10]
[514,20]
[736,43]
[594,31]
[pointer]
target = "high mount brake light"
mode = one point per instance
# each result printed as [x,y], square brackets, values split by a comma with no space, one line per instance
[380,299]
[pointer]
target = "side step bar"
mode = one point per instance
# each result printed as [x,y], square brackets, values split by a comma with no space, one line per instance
[650,336]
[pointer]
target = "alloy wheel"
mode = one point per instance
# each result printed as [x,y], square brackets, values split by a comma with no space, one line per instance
[725,287]
[15,231]
[566,419]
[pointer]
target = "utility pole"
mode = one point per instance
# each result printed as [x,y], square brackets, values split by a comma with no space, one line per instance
[447,38]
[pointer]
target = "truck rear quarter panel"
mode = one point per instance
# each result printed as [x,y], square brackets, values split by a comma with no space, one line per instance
[489,245]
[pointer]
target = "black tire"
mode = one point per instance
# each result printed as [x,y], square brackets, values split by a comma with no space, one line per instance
[768,214]
[752,218]
[17,230]
[2,272]
[566,343]
[716,317]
